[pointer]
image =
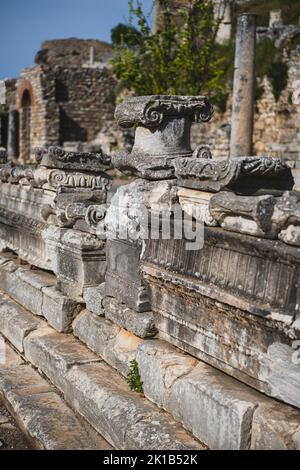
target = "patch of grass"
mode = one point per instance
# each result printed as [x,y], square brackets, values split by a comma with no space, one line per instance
[133,378]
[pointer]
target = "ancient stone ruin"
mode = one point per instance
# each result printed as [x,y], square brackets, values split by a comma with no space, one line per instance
[56,102]
[89,289]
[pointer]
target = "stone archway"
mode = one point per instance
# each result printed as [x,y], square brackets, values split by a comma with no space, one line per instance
[25,124]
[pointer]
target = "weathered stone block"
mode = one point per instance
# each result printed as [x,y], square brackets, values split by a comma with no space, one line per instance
[16,323]
[93,297]
[124,418]
[139,323]
[58,309]
[276,427]
[123,279]
[43,413]
[217,409]
[78,259]
[114,344]
[230,305]
[196,204]
[55,353]
[160,365]
[251,215]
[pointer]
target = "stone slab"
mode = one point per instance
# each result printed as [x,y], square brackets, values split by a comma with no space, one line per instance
[124,418]
[139,323]
[127,420]
[58,309]
[43,414]
[160,365]
[214,407]
[276,426]
[93,297]
[55,353]
[114,344]
[16,322]
[35,290]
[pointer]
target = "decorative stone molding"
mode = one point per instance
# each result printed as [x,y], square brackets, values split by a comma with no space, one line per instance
[57,157]
[243,175]
[150,111]
[162,132]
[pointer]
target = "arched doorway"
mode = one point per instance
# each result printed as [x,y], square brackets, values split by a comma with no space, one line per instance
[25,124]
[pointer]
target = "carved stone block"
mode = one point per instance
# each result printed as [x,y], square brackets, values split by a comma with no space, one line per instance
[234,304]
[57,157]
[78,259]
[245,175]
[162,132]
[123,279]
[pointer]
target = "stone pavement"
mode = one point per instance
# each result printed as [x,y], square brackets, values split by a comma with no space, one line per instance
[11,436]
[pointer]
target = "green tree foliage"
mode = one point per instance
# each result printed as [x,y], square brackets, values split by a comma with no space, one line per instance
[180,58]
[125,34]
[269,63]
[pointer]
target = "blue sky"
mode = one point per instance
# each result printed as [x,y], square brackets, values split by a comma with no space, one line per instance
[24,24]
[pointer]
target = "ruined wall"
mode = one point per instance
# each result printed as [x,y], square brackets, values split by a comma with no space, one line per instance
[72,52]
[44,117]
[85,100]
[276,123]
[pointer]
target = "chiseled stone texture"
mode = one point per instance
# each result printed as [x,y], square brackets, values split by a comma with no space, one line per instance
[55,353]
[139,323]
[215,408]
[160,365]
[43,413]
[16,323]
[125,419]
[35,290]
[276,426]
[93,297]
[114,344]
[58,309]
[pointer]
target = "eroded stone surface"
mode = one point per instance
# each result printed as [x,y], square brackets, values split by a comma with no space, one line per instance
[125,419]
[114,344]
[44,414]
[93,297]
[160,365]
[54,353]
[16,323]
[139,323]
[276,426]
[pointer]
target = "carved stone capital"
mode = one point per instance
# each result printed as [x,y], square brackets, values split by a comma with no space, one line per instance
[57,157]
[150,111]
[162,132]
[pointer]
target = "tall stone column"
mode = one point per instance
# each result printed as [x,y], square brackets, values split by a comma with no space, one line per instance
[243,87]
[13,134]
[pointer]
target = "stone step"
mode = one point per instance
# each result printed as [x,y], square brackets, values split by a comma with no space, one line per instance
[127,420]
[218,409]
[36,291]
[40,410]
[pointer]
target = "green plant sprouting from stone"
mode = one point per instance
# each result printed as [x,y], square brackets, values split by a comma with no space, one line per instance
[133,378]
